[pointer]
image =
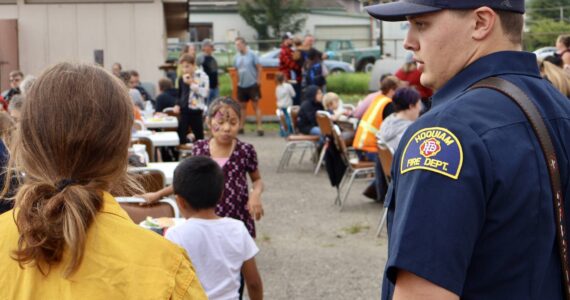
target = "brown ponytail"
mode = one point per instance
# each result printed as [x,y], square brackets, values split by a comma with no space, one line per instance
[72,145]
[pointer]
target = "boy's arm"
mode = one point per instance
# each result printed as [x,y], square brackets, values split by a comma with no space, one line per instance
[252,279]
[254,202]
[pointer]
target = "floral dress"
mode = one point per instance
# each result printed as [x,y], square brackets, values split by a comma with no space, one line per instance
[242,161]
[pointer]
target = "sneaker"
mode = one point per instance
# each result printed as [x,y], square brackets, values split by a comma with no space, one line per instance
[260,133]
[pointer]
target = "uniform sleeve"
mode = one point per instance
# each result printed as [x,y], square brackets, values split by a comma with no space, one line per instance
[442,178]
[186,284]
[251,161]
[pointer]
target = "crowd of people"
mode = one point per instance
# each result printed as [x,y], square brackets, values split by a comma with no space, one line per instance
[67,236]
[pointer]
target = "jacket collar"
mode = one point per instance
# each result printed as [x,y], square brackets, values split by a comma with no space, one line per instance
[495,64]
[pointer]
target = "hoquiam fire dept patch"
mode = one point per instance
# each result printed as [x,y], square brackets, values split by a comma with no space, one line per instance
[433,149]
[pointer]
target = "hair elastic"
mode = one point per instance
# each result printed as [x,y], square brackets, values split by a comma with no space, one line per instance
[62,184]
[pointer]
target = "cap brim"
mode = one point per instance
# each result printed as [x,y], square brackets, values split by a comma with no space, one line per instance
[398,11]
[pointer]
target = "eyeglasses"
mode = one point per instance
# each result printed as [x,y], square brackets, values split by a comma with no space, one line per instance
[15,79]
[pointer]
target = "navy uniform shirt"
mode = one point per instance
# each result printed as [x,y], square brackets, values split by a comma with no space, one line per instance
[471,206]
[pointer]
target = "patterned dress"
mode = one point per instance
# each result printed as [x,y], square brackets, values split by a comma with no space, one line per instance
[242,161]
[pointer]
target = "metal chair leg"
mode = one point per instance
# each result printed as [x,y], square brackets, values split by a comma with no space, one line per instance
[321,158]
[343,201]
[382,221]
[281,165]
[302,155]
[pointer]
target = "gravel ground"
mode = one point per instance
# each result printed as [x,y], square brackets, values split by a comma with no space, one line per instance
[308,248]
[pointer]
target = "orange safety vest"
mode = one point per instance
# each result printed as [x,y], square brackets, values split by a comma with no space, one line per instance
[365,138]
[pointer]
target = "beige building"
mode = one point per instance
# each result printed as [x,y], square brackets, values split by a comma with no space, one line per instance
[37,33]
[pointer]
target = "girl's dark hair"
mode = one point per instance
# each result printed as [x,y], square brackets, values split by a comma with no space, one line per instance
[72,145]
[223,101]
[404,98]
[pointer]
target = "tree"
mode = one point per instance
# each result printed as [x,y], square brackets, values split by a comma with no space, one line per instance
[549,9]
[547,19]
[270,18]
[544,32]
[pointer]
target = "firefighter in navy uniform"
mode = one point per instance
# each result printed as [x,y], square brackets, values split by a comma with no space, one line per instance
[471,214]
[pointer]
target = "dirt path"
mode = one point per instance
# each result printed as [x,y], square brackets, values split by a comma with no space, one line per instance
[309,249]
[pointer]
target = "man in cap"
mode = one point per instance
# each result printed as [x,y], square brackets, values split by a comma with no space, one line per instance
[209,64]
[471,213]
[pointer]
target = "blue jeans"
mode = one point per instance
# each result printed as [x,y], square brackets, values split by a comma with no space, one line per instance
[288,122]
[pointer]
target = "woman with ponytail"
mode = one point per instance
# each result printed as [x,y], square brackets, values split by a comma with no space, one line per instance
[67,237]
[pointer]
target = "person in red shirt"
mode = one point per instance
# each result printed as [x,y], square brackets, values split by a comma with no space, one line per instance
[410,73]
[287,65]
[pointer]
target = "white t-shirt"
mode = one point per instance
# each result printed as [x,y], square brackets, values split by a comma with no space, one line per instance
[218,248]
[284,93]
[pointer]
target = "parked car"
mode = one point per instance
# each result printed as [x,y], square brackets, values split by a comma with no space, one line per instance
[271,59]
[343,50]
[542,53]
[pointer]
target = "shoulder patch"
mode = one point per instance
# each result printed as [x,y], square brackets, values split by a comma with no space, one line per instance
[433,149]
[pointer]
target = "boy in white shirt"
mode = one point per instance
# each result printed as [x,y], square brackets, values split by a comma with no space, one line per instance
[220,248]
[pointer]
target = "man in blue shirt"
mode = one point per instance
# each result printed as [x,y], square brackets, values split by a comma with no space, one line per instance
[249,76]
[471,214]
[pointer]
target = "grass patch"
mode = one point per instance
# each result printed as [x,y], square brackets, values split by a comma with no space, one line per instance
[265,238]
[356,228]
[352,98]
[351,87]
[225,83]
[348,83]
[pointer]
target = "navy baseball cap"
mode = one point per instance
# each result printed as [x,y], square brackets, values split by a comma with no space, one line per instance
[398,11]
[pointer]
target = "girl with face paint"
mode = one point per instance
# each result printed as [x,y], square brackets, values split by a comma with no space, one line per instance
[237,160]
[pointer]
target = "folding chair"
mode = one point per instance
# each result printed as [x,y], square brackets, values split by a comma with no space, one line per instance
[385,157]
[138,125]
[355,169]
[149,146]
[151,180]
[326,126]
[295,142]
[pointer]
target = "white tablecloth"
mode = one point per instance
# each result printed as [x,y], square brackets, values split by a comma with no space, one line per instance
[166,167]
[163,122]
[160,139]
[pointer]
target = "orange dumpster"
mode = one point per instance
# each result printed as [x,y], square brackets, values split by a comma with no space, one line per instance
[268,102]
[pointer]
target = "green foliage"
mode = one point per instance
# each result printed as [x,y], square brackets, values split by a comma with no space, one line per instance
[225,83]
[348,83]
[270,18]
[548,9]
[544,32]
[547,19]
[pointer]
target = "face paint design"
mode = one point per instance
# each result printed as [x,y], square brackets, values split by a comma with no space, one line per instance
[218,120]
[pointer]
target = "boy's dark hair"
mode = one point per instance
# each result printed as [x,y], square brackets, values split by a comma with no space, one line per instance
[164,84]
[199,180]
[389,83]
